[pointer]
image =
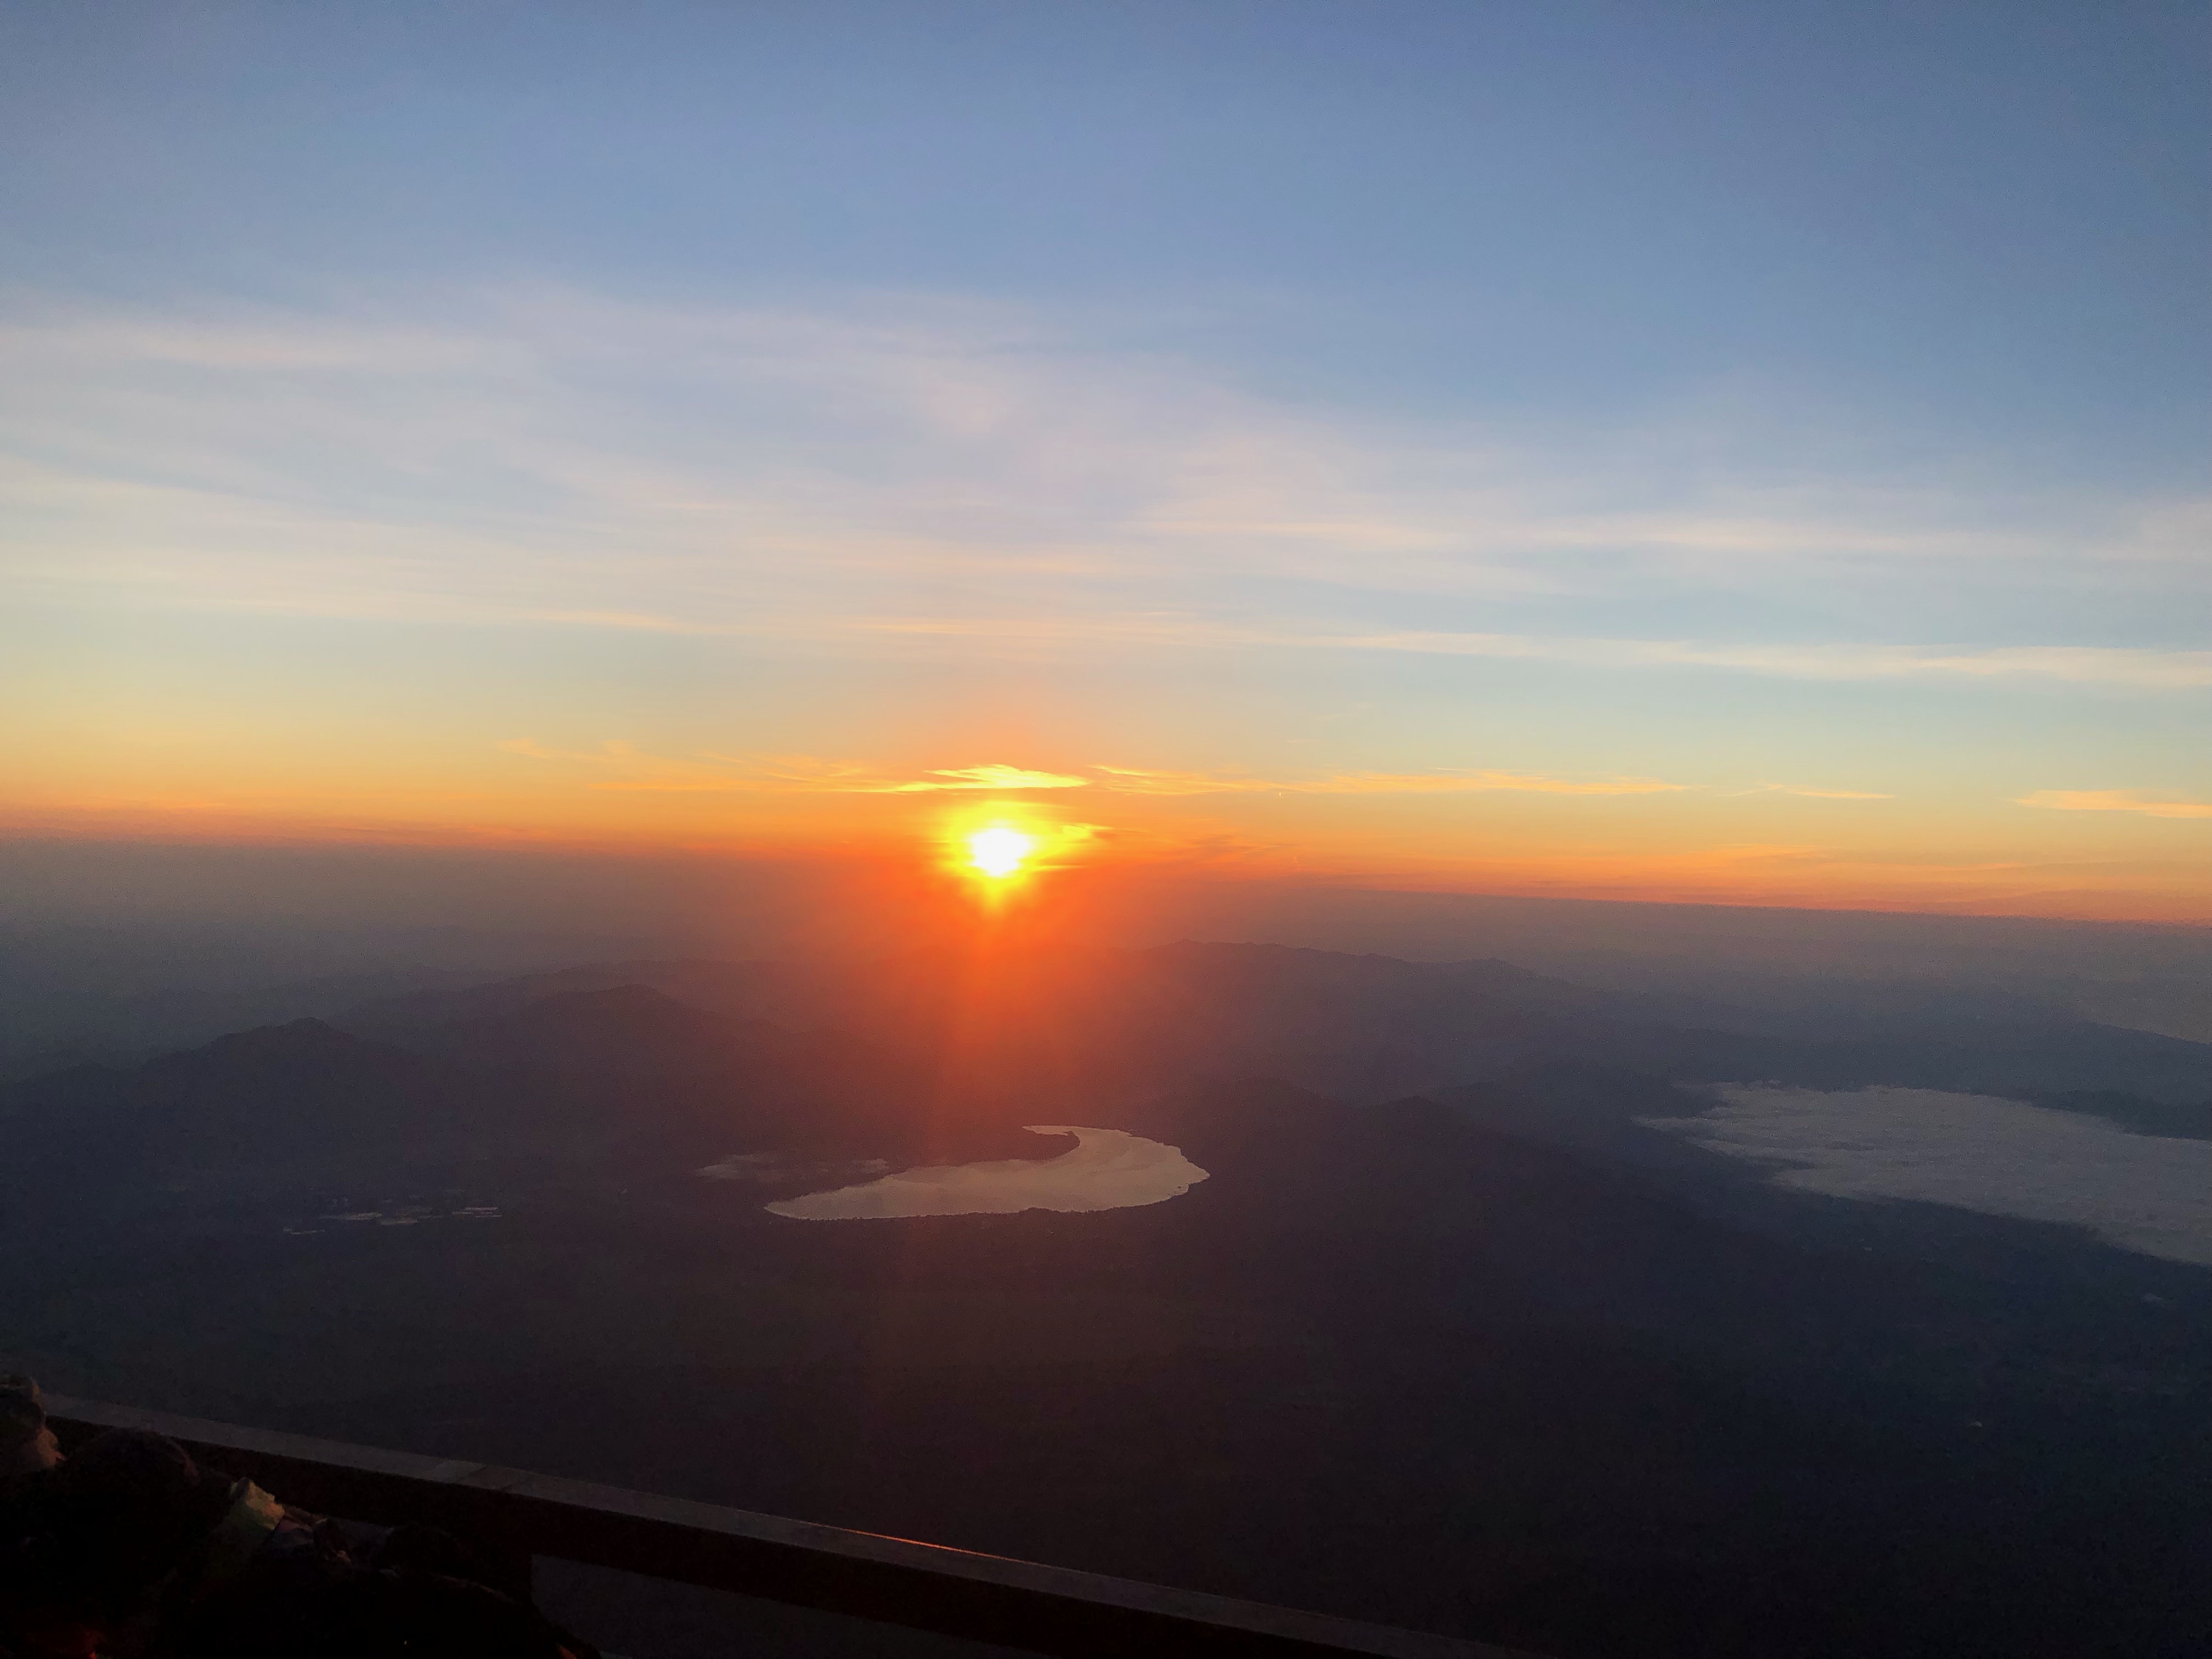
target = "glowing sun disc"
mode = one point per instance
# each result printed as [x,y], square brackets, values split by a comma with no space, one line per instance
[999,852]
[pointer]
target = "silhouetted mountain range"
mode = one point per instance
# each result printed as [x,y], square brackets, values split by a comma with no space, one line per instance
[937,1057]
[1363,1027]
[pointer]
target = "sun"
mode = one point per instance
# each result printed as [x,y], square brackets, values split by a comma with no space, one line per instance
[999,852]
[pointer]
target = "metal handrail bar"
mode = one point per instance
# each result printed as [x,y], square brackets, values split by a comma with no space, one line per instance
[984,1598]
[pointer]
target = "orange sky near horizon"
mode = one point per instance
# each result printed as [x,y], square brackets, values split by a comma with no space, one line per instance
[1503,834]
[1542,465]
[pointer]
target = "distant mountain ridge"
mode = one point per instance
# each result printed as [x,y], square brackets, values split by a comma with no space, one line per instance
[938,1056]
[594,1081]
[1363,1027]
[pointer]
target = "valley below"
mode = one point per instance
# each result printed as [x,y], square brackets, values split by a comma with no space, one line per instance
[1491,1355]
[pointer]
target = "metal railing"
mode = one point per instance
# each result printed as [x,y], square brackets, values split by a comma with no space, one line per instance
[927,1587]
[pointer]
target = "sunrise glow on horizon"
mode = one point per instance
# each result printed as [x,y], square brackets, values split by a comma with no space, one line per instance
[822,443]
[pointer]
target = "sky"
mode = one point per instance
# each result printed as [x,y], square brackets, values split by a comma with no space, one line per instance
[1733,453]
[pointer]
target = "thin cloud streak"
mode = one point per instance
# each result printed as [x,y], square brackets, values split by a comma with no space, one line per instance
[1129,780]
[792,773]
[2079,665]
[2076,665]
[2116,800]
[2111,665]
[550,456]
[809,775]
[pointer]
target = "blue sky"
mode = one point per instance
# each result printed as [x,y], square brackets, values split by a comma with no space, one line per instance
[1960,211]
[1748,398]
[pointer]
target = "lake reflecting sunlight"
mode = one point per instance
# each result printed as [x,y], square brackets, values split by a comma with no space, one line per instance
[1106,1170]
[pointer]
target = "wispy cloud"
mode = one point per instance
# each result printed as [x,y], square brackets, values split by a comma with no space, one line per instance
[712,773]
[988,777]
[2080,665]
[2145,669]
[1130,781]
[1000,477]
[708,773]
[2116,800]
